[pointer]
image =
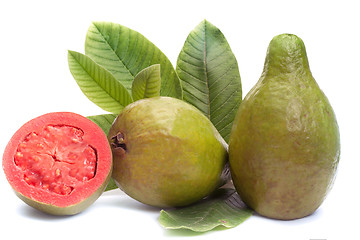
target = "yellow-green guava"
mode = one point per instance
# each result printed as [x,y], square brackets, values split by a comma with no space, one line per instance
[284,146]
[166,153]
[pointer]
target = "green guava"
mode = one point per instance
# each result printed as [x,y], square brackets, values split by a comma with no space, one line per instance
[166,152]
[284,146]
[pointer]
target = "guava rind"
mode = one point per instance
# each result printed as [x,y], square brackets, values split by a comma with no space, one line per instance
[79,199]
[173,155]
[68,210]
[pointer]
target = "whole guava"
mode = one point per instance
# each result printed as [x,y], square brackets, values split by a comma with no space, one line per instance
[284,147]
[166,153]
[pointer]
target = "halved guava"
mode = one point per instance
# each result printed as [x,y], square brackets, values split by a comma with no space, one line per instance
[59,163]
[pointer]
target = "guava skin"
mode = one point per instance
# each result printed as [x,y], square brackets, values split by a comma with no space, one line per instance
[284,146]
[166,152]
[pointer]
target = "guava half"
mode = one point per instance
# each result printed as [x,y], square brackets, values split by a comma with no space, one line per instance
[58,163]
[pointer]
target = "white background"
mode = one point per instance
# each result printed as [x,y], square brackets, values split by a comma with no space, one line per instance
[35,79]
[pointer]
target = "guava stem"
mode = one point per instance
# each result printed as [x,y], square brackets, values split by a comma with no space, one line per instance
[118,141]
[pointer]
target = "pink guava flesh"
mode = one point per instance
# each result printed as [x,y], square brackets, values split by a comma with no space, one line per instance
[56,159]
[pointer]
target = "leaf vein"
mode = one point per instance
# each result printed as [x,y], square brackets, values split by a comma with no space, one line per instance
[194,96]
[113,50]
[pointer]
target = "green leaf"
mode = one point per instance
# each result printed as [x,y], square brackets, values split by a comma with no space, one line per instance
[97,83]
[210,76]
[223,208]
[125,52]
[104,121]
[147,83]
[111,185]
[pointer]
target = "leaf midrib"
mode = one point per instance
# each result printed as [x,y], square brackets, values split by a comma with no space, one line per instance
[92,77]
[113,50]
[205,73]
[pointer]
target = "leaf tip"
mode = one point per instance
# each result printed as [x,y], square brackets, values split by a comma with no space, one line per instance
[70,52]
[94,23]
[206,22]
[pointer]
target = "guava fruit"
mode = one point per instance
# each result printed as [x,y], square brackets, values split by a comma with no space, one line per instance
[166,153]
[58,163]
[284,146]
